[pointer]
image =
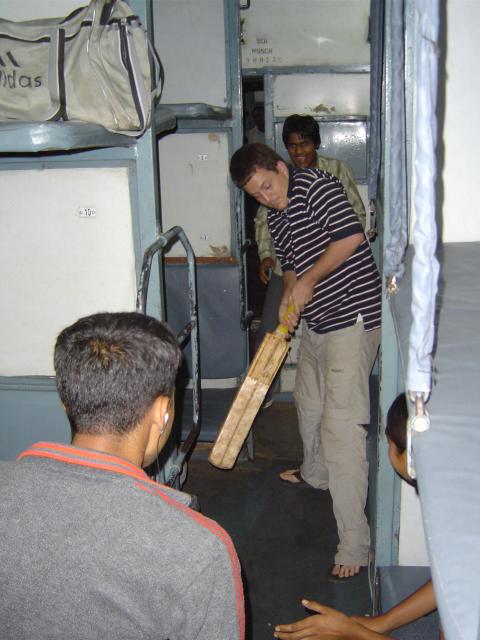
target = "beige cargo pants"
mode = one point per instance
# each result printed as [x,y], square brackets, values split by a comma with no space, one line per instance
[333,403]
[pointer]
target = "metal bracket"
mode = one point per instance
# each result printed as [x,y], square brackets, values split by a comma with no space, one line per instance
[417,423]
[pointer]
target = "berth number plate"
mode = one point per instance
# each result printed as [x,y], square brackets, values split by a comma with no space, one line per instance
[87,212]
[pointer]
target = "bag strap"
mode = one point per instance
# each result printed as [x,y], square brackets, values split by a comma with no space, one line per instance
[158,73]
[141,97]
[106,12]
[56,80]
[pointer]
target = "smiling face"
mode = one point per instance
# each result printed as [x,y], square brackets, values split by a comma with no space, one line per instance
[302,151]
[270,188]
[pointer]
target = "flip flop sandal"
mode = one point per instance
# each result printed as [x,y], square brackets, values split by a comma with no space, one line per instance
[295,474]
[332,577]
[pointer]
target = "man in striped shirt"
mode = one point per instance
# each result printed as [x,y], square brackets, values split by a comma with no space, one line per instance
[330,278]
[301,137]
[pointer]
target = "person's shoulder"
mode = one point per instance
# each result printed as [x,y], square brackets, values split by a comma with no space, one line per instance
[176,507]
[7,465]
[313,177]
[11,468]
[261,215]
[180,497]
[307,174]
[8,468]
[333,165]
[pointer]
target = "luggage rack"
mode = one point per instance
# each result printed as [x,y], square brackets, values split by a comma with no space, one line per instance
[41,137]
[171,473]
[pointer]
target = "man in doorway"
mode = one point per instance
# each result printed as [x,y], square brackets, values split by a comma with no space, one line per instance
[257,132]
[301,137]
[330,277]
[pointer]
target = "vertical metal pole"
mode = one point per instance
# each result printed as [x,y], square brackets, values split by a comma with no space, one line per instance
[269,111]
[148,188]
[388,486]
[234,100]
[376,72]
[425,266]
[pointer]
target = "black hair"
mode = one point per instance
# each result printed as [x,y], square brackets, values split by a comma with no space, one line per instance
[246,160]
[110,369]
[305,126]
[397,418]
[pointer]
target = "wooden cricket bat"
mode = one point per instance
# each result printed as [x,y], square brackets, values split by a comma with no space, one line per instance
[233,432]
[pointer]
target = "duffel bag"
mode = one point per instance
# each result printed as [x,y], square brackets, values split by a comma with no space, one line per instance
[96,65]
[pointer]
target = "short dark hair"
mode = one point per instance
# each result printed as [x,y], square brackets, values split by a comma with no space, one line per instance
[111,367]
[246,160]
[397,418]
[305,126]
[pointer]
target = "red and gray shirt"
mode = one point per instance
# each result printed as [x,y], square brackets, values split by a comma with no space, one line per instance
[319,213]
[91,547]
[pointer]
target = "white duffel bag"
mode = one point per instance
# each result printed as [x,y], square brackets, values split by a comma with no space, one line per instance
[96,65]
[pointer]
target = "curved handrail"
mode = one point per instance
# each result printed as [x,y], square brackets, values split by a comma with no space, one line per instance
[190,329]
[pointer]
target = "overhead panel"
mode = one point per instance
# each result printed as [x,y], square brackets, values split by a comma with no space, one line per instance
[195,191]
[322,94]
[24,10]
[305,33]
[66,251]
[189,36]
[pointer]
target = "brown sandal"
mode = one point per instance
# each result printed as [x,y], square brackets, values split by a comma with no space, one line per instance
[334,577]
[293,473]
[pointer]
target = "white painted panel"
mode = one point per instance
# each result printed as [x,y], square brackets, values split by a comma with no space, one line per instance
[19,10]
[321,94]
[189,36]
[412,549]
[305,32]
[56,265]
[195,193]
[461,133]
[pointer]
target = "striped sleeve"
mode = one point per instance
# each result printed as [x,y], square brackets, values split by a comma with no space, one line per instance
[328,204]
[281,234]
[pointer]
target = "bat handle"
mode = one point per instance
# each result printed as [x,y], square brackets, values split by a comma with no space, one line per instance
[282,329]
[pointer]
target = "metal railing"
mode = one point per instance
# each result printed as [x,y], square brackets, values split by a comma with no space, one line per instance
[189,330]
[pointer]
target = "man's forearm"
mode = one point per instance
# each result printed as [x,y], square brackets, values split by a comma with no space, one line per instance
[415,606]
[289,280]
[325,626]
[284,316]
[334,255]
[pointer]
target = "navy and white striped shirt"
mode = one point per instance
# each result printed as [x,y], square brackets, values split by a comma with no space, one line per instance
[319,213]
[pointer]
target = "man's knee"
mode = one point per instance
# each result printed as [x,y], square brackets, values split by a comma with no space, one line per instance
[344,443]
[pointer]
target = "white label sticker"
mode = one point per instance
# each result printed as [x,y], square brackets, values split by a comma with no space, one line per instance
[87,212]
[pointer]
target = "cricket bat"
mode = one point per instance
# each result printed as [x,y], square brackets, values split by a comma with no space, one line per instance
[234,430]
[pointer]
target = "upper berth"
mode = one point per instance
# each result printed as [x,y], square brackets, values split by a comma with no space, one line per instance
[37,137]
[447,455]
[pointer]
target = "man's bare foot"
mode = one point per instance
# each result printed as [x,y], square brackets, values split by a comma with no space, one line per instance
[341,572]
